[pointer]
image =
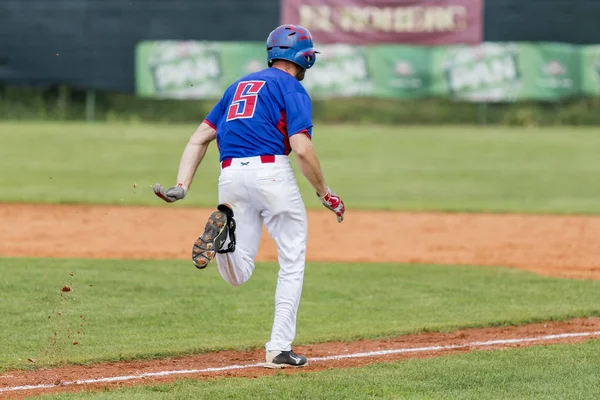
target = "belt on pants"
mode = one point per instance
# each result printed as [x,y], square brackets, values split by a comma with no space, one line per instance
[263,159]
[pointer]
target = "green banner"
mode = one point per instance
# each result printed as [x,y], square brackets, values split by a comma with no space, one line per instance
[507,72]
[553,71]
[193,70]
[401,71]
[489,72]
[340,71]
[590,70]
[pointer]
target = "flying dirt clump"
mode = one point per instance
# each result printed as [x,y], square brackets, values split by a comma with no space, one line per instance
[66,288]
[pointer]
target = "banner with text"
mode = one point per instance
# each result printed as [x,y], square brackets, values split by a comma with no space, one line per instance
[424,22]
[489,72]
[193,70]
[590,62]
[501,72]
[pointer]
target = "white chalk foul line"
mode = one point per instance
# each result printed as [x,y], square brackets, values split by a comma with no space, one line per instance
[328,358]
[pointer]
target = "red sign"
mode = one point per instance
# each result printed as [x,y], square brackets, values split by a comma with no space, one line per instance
[424,22]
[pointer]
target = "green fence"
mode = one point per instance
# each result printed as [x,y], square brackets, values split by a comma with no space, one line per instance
[486,73]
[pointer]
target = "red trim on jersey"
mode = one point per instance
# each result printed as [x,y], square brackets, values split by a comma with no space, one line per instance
[305,131]
[210,124]
[226,163]
[282,128]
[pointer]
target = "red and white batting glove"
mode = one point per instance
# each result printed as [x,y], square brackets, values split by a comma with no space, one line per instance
[172,194]
[333,202]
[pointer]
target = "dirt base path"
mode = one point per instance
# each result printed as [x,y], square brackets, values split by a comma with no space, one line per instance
[550,245]
[18,384]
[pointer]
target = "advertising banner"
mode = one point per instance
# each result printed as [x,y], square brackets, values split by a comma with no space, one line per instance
[424,22]
[401,71]
[504,72]
[552,71]
[488,72]
[341,71]
[178,70]
[590,70]
[193,70]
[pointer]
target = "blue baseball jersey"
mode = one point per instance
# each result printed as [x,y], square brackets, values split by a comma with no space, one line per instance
[258,113]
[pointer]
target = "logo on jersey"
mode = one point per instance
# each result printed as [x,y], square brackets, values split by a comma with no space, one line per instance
[244,100]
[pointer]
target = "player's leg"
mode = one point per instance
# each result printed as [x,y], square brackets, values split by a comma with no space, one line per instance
[236,267]
[288,229]
[286,221]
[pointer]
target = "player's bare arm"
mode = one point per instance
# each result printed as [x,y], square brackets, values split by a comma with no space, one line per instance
[194,153]
[309,164]
[190,160]
[307,156]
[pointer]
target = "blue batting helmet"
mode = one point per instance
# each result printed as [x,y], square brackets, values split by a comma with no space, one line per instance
[292,43]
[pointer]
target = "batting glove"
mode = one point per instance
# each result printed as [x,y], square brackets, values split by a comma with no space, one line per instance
[172,194]
[333,202]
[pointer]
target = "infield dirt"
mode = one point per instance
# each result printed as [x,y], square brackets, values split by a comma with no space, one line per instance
[545,244]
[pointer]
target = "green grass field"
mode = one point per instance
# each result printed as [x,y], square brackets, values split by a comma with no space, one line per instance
[146,309]
[372,167]
[545,372]
[123,309]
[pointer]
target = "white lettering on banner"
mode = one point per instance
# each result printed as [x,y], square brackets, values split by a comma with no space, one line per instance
[187,70]
[346,19]
[317,18]
[440,19]
[403,20]
[430,19]
[384,19]
[504,69]
[343,72]
[482,73]
[459,17]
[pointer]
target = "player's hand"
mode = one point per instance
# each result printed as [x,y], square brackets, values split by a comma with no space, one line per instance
[172,194]
[333,202]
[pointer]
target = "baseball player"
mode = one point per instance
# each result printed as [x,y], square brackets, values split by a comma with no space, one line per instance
[258,122]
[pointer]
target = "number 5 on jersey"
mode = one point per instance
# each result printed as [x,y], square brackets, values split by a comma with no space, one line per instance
[244,100]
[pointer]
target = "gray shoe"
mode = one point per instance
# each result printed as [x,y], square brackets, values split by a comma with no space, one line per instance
[284,359]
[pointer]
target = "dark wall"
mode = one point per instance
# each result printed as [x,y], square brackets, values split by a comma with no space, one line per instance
[90,43]
[95,39]
[570,21]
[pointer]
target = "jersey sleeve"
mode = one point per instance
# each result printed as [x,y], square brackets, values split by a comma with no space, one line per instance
[298,111]
[215,114]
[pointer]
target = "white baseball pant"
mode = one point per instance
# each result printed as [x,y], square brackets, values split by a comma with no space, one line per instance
[258,191]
